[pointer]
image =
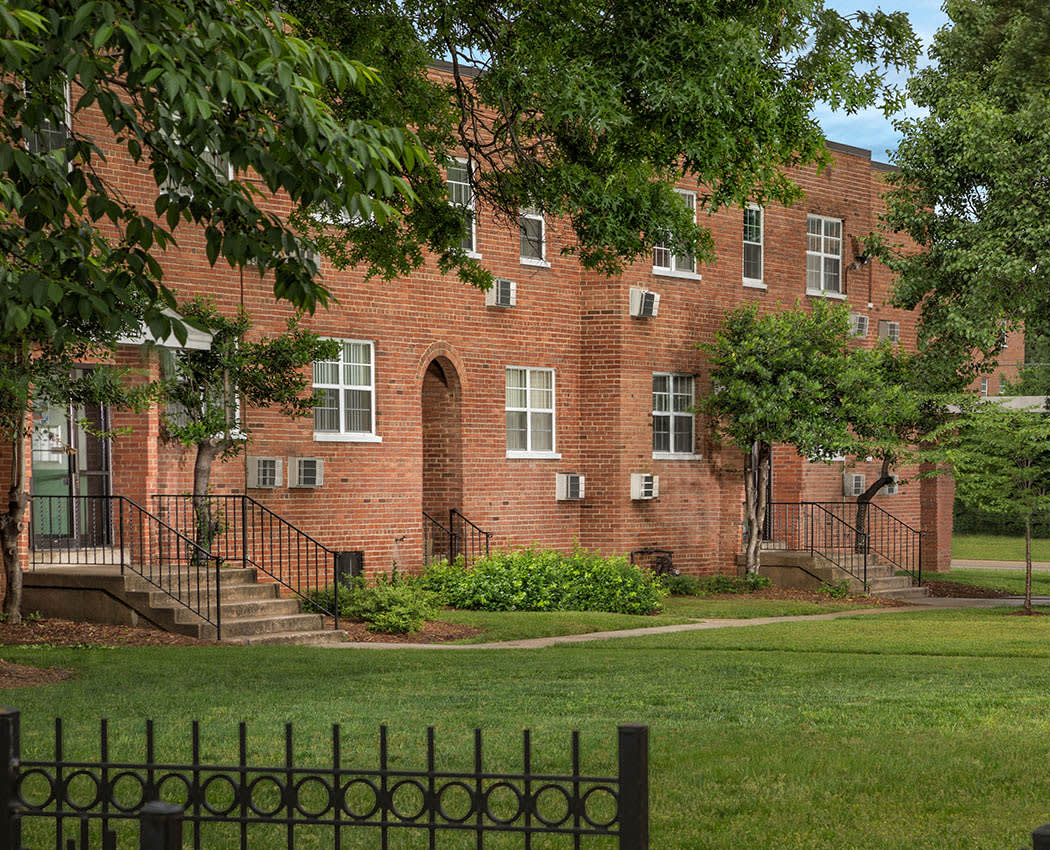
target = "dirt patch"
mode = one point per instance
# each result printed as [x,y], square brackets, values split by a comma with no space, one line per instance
[1023,613]
[955,590]
[433,632]
[813,596]
[20,676]
[55,632]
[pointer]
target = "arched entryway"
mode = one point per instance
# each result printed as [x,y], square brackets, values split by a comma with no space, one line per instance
[442,449]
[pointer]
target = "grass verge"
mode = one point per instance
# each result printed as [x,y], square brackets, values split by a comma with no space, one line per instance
[990,547]
[1012,581]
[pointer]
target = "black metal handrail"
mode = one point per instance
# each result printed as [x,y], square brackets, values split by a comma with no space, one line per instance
[884,535]
[242,529]
[115,531]
[438,541]
[810,527]
[469,538]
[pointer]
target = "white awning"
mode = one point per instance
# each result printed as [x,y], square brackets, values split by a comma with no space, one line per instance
[195,339]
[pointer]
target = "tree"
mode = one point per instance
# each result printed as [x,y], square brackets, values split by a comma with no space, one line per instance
[207,392]
[999,457]
[779,378]
[591,111]
[973,192]
[180,88]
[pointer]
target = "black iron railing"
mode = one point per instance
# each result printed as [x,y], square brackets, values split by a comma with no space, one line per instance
[222,802]
[114,531]
[810,527]
[240,530]
[461,538]
[438,541]
[884,535]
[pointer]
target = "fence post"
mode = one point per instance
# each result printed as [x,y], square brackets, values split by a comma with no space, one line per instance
[634,787]
[10,756]
[244,531]
[1041,837]
[218,598]
[160,826]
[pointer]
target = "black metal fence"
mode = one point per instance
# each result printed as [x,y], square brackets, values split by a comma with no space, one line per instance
[219,805]
[461,538]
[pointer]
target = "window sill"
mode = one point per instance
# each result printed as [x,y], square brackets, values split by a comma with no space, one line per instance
[519,455]
[838,296]
[474,255]
[330,437]
[529,261]
[683,275]
[754,284]
[676,456]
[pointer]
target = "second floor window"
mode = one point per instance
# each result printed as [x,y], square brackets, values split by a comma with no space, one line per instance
[346,392]
[50,135]
[672,413]
[753,245]
[530,410]
[823,255]
[533,237]
[666,262]
[461,195]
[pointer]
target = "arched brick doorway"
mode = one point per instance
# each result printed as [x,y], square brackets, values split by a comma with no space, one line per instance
[442,447]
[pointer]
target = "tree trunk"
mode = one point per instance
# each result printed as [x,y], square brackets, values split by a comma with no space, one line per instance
[861,519]
[1028,565]
[206,525]
[756,478]
[11,523]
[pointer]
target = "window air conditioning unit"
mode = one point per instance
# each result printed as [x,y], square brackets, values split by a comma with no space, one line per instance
[891,488]
[502,293]
[644,304]
[569,487]
[853,484]
[264,473]
[858,324]
[305,472]
[889,330]
[644,486]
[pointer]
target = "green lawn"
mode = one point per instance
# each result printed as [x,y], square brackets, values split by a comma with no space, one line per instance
[1011,581]
[519,625]
[909,731]
[989,547]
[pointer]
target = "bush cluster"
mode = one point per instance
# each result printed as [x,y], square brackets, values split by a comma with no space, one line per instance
[546,580]
[394,605]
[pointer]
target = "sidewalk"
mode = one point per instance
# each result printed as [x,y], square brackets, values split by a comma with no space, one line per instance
[540,643]
[968,564]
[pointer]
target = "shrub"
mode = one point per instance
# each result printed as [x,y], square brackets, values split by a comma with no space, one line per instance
[546,580]
[394,605]
[733,584]
[835,590]
[681,585]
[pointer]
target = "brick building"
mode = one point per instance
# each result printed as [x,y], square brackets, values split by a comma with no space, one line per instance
[446,397]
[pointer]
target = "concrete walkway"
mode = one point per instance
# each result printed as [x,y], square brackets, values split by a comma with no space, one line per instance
[700,625]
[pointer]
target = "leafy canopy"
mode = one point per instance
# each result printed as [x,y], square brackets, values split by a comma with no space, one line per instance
[973,190]
[589,110]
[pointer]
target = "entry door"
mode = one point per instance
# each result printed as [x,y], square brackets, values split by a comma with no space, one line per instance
[71,475]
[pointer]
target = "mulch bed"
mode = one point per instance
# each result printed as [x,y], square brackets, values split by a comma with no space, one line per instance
[954,590]
[434,632]
[20,676]
[55,632]
[813,596]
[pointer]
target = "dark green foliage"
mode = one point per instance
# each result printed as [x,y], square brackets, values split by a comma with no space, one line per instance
[835,590]
[733,584]
[393,606]
[546,580]
[681,585]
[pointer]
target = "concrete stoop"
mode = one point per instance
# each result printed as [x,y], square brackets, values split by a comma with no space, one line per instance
[252,612]
[805,571]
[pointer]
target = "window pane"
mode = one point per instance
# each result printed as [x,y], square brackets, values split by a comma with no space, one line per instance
[517,433]
[542,431]
[326,372]
[752,261]
[542,394]
[661,257]
[661,383]
[832,227]
[831,274]
[752,225]
[661,433]
[467,242]
[531,238]
[686,263]
[516,396]
[326,413]
[813,272]
[358,410]
[683,434]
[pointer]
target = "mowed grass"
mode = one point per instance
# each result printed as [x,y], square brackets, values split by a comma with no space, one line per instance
[891,730]
[990,547]
[519,625]
[1012,581]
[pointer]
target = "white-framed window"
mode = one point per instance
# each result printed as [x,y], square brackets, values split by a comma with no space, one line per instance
[219,164]
[461,194]
[345,388]
[49,137]
[823,255]
[754,227]
[667,263]
[530,412]
[672,415]
[533,237]
[889,330]
[984,386]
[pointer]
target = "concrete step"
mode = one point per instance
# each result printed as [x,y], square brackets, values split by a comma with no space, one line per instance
[290,638]
[906,593]
[232,611]
[252,626]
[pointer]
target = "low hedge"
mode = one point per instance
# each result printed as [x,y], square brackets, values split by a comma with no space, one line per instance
[393,606]
[546,580]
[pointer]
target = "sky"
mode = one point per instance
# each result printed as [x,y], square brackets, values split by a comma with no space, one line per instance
[869,129]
